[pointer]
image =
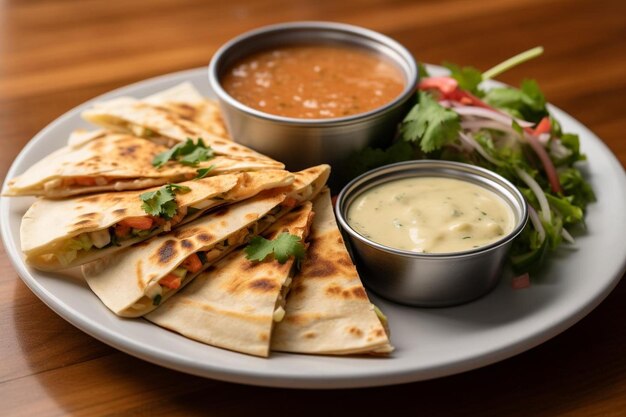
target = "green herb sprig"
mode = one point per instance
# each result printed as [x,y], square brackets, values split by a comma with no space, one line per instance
[189,153]
[162,202]
[280,248]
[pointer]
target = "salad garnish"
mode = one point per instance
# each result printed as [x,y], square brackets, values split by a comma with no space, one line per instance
[507,130]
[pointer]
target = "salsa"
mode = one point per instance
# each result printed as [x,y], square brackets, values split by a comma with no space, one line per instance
[314,81]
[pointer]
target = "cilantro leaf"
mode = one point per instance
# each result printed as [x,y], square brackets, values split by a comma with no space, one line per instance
[258,249]
[159,160]
[203,172]
[430,124]
[468,77]
[286,245]
[162,202]
[196,156]
[188,153]
[526,103]
[281,248]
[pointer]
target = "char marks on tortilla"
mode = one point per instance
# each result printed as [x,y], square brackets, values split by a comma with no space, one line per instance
[328,311]
[232,305]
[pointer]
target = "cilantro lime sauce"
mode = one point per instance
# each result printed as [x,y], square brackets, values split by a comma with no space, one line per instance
[431,215]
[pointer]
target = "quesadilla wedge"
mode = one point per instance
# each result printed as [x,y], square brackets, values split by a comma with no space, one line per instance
[58,234]
[160,125]
[234,304]
[116,162]
[328,311]
[187,102]
[136,280]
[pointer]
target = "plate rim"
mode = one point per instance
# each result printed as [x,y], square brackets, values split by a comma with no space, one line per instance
[261,377]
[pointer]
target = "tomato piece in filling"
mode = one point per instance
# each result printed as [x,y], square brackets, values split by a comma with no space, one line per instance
[192,263]
[171,281]
[138,222]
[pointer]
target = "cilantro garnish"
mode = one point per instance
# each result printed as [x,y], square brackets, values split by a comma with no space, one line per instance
[526,103]
[282,247]
[430,124]
[188,153]
[162,202]
[203,172]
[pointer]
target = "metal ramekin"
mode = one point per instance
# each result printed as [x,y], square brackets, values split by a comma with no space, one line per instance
[301,143]
[431,280]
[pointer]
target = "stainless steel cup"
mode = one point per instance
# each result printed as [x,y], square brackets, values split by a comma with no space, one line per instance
[301,143]
[431,280]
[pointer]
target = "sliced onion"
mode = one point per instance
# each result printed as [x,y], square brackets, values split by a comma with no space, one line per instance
[532,140]
[490,114]
[474,144]
[487,124]
[536,189]
[558,150]
[548,166]
[534,219]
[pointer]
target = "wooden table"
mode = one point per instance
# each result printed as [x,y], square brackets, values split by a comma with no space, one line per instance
[55,54]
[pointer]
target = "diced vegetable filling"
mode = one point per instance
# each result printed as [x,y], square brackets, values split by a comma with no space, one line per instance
[196,262]
[129,228]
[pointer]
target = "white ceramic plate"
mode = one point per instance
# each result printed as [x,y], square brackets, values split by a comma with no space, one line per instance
[429,342]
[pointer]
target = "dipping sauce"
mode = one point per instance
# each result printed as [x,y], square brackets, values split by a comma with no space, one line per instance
[431,215]
[314,81]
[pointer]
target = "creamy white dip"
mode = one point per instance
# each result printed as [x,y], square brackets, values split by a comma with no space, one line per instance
[431,215]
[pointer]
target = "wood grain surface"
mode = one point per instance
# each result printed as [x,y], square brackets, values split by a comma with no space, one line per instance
[55,54]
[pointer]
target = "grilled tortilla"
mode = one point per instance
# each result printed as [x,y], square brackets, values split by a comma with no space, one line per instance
[160,125]
[185,100]
[234,304]
[115,162]
[328,311]
[135,281]
[58,234]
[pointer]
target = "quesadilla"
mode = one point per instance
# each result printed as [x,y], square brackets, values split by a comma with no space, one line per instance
[328,311]
[234,304]
[160,125]
[58,234]
[187,102]
[136,280]
[116,162]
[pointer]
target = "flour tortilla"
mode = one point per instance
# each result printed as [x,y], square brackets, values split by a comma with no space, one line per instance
[123,159]
[49,225]
[156,123]
[187,102]
[328,311]
[232,304]
[308,183]
[121,280]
